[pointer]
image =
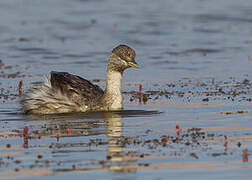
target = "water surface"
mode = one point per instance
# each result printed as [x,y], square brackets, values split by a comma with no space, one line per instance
[193,117]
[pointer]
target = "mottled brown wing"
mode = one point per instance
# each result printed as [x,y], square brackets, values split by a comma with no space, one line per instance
[79,90]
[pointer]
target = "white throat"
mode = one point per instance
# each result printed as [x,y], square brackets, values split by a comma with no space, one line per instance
[113,90]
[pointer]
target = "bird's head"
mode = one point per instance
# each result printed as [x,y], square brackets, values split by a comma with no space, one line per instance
[121,58]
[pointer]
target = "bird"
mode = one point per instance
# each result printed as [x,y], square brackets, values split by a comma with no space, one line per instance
[62,92]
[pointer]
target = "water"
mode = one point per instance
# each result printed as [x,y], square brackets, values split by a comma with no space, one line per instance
[195,59]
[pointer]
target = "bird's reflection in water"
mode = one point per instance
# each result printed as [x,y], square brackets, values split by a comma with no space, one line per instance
[118,158]
[115,150]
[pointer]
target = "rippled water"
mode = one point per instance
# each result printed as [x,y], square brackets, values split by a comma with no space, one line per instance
[195,58]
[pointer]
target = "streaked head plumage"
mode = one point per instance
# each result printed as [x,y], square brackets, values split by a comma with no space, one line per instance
[125,54]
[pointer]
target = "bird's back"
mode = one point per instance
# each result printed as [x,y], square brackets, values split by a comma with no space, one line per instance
[77,89]
[63,92]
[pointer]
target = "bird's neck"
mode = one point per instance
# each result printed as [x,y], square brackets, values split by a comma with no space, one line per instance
[113,95]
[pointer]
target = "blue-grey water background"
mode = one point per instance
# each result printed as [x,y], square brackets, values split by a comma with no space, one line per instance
[175,41]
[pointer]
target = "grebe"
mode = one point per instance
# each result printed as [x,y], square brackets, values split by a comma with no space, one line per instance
[64,93]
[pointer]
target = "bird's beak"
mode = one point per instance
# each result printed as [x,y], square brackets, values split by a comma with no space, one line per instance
[133,64]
